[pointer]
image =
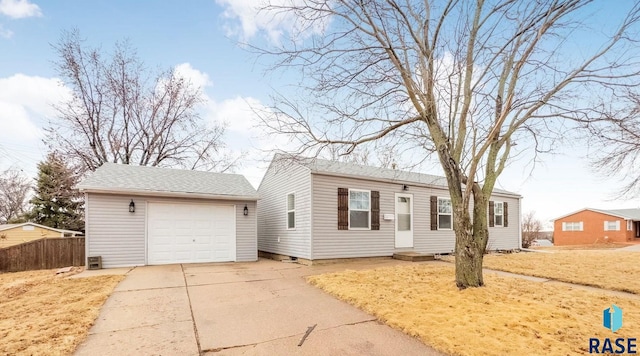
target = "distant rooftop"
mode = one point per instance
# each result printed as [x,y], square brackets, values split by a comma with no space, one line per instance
[627,214]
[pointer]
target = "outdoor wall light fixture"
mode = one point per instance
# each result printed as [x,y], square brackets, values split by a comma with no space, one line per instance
[246,210]
[132,207]
[405,187]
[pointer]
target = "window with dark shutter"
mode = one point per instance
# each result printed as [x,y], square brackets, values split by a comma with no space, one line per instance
[375,210]
[434,212]
[506,214]
[491,214]
[343,209]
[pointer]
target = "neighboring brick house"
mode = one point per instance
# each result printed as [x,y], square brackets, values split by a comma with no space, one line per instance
[589,226]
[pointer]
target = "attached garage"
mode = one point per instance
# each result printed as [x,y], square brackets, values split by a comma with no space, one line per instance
[148,216]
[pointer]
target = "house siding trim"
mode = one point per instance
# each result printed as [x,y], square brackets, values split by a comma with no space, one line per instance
[87,204]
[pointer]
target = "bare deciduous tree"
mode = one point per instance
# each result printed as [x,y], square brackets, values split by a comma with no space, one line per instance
[121,112]
[617,148]
[14,191]
[463,80]
[531,228]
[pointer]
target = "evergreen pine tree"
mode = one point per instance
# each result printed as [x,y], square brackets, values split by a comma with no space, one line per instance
[57,203]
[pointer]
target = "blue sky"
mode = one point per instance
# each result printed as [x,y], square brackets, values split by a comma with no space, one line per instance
[200,37]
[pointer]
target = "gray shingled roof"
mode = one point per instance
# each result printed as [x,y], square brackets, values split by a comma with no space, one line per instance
[629,214]
[323,166]
[112,177]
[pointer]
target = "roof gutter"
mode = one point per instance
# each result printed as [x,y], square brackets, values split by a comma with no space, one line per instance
[170,194]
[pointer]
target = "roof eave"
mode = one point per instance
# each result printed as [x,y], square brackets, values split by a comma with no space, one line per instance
[400,181]
[165,194]
[62,231]
[603,212]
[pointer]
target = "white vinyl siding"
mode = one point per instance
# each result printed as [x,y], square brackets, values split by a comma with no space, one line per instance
[273,234]
[612,225]
[114,233]
[498,213]
[572,226]
[120,236]
[291,211]
[359,209]
[329,242]
[445,214]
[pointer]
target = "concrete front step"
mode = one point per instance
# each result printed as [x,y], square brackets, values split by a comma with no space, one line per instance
[413,256]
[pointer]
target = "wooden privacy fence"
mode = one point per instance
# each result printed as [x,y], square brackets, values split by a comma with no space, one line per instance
[43,254]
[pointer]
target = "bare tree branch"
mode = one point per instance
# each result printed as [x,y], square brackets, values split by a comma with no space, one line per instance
[121,112]
[472,82]
[14,194]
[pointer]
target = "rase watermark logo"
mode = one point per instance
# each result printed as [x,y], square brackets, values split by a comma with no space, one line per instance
[612,320]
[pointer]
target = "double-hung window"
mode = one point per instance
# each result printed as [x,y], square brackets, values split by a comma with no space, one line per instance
[445,214]
[291,211]
[572,226]
[612,225]
[359,209]
[498,213]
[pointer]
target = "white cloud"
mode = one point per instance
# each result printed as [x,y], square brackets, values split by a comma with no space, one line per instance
[18,9]
[274,23]
[25,107]
[238,113]
[5,33]
[35,94]
[196,77]
[17,122]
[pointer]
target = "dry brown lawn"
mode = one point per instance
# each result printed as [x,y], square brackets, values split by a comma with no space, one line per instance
[45,314]
[606,246]
[608,269]
[508,316]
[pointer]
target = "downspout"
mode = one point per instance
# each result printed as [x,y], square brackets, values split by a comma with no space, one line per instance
[311,177]
[520,222]
[86,230]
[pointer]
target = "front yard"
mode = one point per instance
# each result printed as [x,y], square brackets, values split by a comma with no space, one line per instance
[508,316]
[45,314]
[607,269]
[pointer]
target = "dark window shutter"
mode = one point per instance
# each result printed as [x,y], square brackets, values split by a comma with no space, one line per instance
[434,212]
[506,214]
[492,219]
[343,209]
[375,210]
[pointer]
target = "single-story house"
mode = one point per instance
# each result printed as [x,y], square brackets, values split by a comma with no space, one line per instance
[589,226]
[315,209]
[14,234]
[147,216]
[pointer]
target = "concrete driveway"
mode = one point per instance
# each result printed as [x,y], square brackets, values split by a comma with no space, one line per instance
[259,308]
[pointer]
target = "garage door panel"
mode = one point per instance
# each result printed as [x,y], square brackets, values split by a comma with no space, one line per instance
[184,233]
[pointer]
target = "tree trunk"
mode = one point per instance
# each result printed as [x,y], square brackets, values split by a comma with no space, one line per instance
[471,242]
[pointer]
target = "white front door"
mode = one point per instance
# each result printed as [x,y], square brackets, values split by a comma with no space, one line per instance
[404,220]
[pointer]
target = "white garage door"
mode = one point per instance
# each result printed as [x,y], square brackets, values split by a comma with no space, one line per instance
[188,233]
